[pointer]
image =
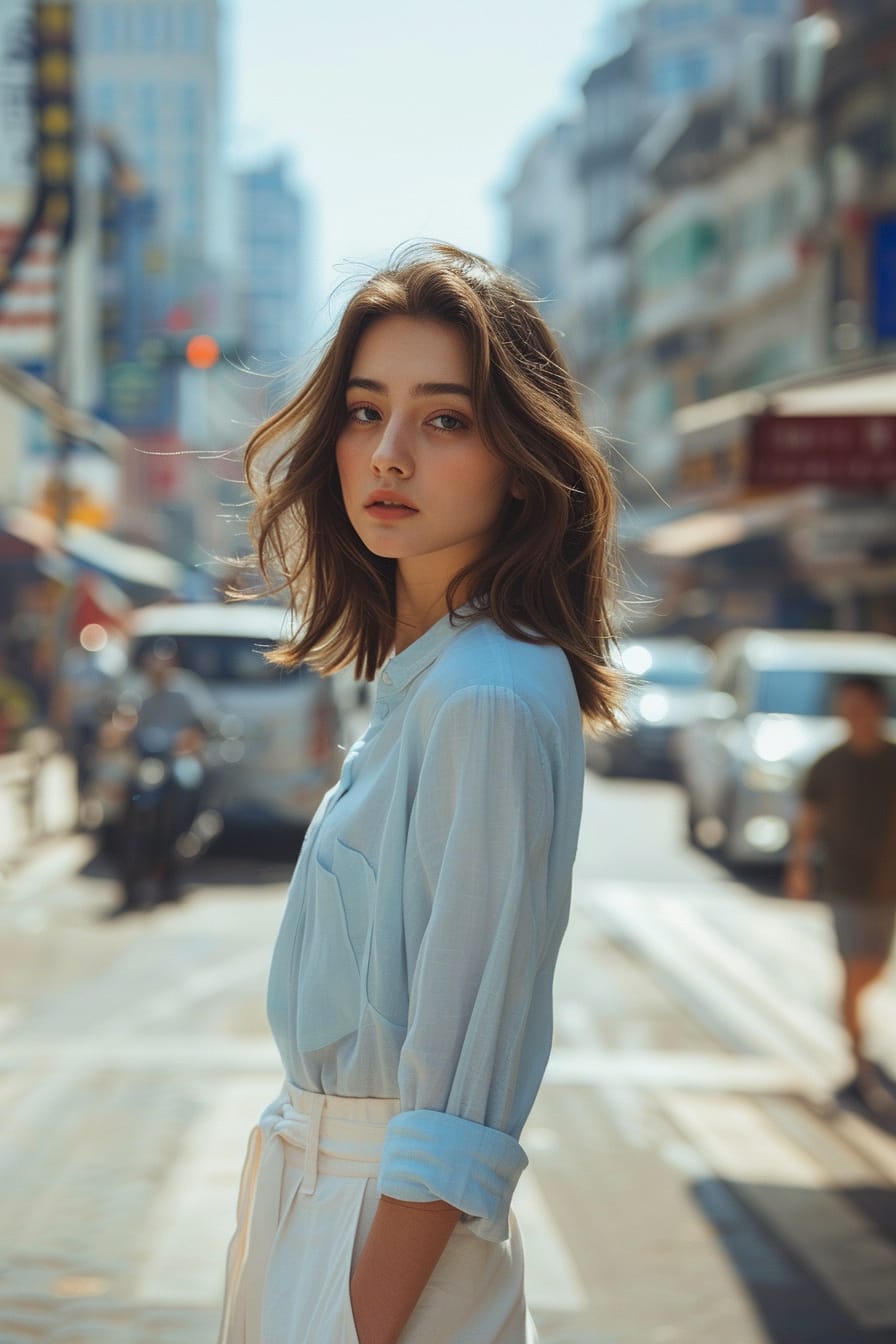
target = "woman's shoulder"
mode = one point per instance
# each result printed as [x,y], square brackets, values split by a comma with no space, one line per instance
[484,666]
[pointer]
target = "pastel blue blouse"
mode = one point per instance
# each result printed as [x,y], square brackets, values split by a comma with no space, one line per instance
[416,954]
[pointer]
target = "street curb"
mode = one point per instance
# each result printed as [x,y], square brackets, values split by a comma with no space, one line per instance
[50,859]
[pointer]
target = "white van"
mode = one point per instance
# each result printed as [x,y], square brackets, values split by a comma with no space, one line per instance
[276,748]
[769,717]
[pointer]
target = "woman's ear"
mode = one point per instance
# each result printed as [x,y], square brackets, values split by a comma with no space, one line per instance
[517,489]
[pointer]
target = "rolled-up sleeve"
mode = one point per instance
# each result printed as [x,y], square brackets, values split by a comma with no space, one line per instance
[476,909]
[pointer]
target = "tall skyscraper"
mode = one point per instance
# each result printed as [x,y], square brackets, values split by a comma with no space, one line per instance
[150,75]
[271,235]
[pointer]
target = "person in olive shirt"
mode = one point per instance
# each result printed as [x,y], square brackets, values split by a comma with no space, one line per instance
[845,847]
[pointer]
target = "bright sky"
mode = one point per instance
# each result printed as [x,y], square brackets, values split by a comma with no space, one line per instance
[404,119]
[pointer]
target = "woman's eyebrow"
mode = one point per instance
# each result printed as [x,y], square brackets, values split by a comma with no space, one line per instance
[442,390]
[421,389]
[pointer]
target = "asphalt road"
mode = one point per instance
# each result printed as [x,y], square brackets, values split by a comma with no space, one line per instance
[691,1179]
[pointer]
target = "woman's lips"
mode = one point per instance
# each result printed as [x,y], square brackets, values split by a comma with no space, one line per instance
[390,512]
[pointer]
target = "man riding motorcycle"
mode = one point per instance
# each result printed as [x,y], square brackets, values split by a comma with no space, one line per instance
[168,714]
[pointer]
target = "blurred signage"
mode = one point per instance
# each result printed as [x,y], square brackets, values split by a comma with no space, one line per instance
[712,470]
[37,171]
[135,395]
[160,466]
[855,452]
[838,540]
[884,279]
[54,106]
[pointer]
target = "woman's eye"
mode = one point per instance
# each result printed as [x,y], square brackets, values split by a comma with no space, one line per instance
[448,421]
[363,415]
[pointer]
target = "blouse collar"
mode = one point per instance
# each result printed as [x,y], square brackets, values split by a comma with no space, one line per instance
[402,668]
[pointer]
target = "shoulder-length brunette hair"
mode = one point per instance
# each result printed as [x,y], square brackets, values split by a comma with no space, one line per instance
[547,576]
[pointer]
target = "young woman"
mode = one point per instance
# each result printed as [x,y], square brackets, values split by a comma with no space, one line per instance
[438,513]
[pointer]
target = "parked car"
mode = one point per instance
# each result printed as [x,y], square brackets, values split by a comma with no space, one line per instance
[770,716]
[667,678]
[275,750]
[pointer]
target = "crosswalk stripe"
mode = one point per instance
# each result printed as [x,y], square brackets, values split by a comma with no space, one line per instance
[552,1280]
[876,1147]
[818,1032]
[194,1213]
[194,1052]
[666,1068]
[853,1259]
[796,946]
[750,948]
[710,985]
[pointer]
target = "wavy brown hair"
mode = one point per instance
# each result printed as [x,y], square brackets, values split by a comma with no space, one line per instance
[547,577]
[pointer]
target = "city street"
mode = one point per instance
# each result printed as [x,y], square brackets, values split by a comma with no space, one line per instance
[690,1179]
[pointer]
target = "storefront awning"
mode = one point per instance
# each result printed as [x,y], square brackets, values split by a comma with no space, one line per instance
[120,560]
[839,432]
[78,425]
[714,529]
[868,394]
[865,394]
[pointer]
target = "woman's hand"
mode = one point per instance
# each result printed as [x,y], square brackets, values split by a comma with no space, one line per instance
[405,1242]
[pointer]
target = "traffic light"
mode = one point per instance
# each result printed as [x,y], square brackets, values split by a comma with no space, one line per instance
[202,351]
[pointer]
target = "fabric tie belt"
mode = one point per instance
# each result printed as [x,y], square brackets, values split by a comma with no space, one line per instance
[339,1135]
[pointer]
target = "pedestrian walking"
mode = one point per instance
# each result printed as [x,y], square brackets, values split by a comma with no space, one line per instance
[437,512]
[845,846]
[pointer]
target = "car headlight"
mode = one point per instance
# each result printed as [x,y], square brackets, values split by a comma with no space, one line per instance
[769,776]
[653,706]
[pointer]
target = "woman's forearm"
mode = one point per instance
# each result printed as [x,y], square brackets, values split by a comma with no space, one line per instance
[401,1251]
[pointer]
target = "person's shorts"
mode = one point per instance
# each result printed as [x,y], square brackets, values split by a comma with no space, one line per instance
[863,932]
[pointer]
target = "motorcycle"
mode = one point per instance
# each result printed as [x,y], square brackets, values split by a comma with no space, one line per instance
[146,800]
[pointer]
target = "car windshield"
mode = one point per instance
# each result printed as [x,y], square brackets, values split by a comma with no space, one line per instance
[223,658]
[684,669]
[807,690]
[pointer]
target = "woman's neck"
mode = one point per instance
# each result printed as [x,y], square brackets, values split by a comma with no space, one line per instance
[415,615]
[420,601]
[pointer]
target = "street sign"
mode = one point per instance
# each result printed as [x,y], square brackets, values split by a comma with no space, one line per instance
[845,452]
[884,278]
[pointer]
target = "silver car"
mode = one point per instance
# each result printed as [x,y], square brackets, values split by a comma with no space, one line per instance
[769,717]
[667,677]
[275,750]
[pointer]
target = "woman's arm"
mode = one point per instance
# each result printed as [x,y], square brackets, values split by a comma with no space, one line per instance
[477,886]
[798,874]
[402,1249]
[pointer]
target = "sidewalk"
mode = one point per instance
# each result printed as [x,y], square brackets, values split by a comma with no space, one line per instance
[38,800]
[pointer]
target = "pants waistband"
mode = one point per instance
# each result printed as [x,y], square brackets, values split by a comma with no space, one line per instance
[337,1135]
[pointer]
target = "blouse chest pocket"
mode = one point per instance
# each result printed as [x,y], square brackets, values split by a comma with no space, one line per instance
[332,949]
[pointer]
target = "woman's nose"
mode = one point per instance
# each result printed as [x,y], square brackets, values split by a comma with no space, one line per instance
[392,452]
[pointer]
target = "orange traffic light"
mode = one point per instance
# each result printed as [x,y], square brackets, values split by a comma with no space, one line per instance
[202,351]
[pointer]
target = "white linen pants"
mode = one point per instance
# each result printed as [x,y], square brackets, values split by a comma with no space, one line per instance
[306,1202]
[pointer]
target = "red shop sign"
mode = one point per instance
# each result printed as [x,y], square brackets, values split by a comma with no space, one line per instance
[847,452]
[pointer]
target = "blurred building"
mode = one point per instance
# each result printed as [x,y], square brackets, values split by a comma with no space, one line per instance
[546,238]
[671,53]
[686,48]
[150,75]
[151,80]
[784,467]
[738,308]
[271,233]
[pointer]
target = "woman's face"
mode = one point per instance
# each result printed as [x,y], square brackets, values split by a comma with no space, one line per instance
[419,484]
